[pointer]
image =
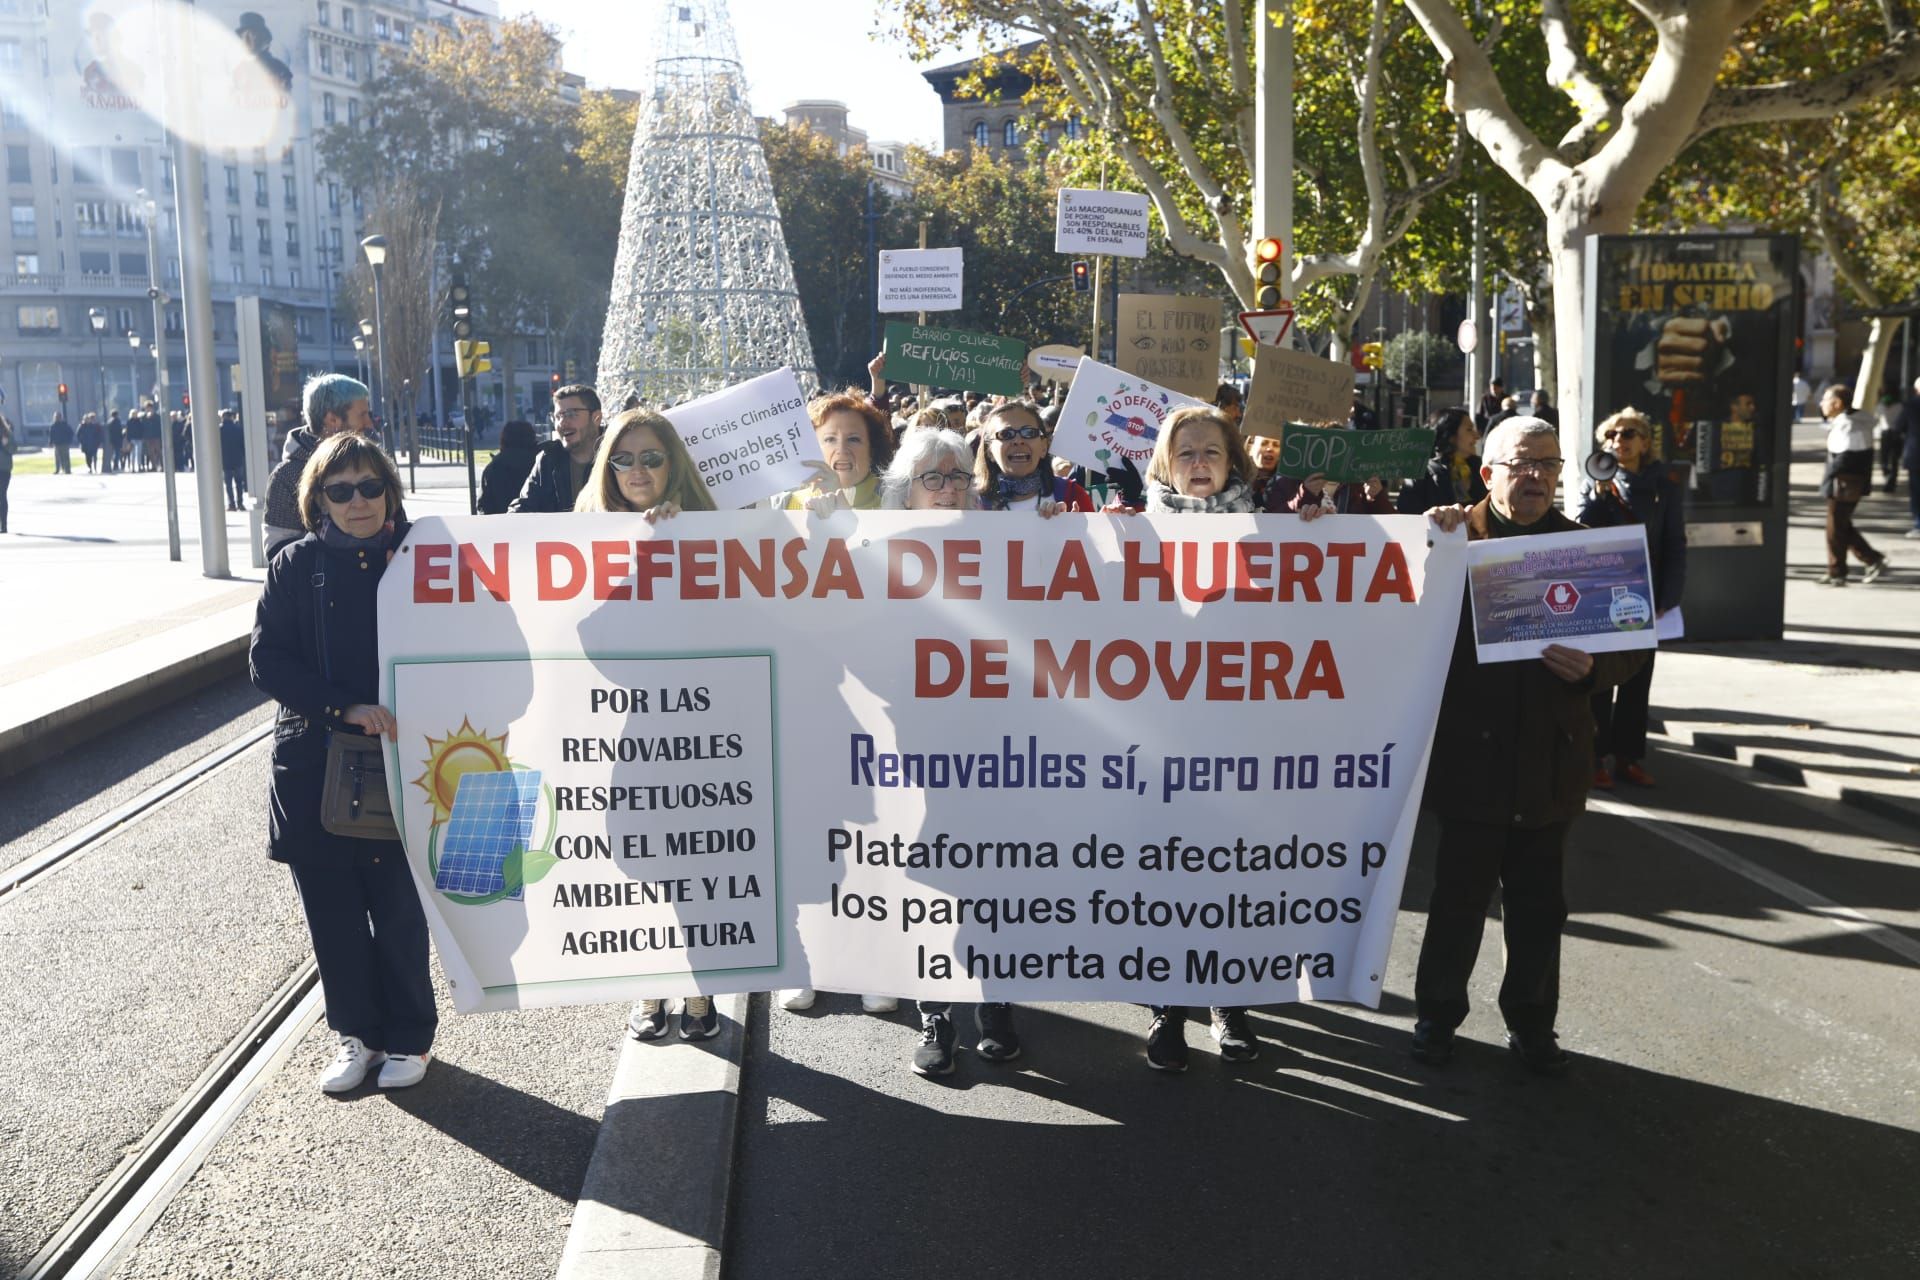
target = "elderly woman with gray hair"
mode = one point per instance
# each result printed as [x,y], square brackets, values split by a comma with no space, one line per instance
[931,472]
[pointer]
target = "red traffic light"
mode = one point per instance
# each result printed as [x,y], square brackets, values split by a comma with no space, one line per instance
[1082,277]
[1267,250]
[556,379]
[63,391]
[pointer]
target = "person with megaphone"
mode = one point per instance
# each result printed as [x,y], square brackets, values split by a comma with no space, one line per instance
[1627,485]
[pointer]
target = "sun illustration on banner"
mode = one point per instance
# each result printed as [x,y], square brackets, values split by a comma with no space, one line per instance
[465,750]
[480,845]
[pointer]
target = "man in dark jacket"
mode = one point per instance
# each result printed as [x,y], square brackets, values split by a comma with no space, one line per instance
[60,436]
[233,458]
[1512,760]
[91,438]
[1490,404]
[560,469]
[116,440]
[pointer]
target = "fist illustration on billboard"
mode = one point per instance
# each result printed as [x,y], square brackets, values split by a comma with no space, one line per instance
[1687,349]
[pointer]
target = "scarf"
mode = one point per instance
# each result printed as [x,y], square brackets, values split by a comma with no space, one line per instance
[1011,489]
[338,539]
[1232,500]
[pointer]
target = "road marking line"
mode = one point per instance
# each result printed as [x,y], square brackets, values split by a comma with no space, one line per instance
[1845,919]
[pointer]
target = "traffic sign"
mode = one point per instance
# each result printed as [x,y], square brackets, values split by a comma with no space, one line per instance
[1468,336]
[1562,597]
[1268,328]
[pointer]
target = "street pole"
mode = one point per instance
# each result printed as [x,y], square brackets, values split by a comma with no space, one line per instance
[873,267]
[159,300]
[1273,134]
[1477,308]
[433,351]
[380,364]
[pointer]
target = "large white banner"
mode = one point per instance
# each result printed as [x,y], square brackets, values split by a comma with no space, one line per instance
[951,755]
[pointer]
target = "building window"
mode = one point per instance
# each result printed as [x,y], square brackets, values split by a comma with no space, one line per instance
[238,272]
[26,264]
[9,55]
[259,189]
[26,222]
[326,59]
[173,270]
[133,264]
[326,14]
[333,242]
[333,197]
[18,170]
[266,277]
[122,319]
[173,320]
[126,167]
[264,233]
[293,278]
[980,133]
[353,65]
[326,108]
[288,196]
[346,19]
[90,218]
[130,219]
[380,25]
[1010,134]
[302,323]
[353,112]
[1074,129]
[339,332]
[34,319]
[233,185]
[95,264]
[399,31]
[293,239]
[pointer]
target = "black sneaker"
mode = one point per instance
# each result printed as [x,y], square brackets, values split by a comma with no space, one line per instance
[934,1057]
[699,1020]
[1540,1051]
[1237,1041]
[1167,1039]
[1432,1043]
[999,1042]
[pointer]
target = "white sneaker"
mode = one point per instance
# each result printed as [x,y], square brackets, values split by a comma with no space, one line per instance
[349,1066]
[647,1020]
[797,999]
[879,1004]
[403,1069]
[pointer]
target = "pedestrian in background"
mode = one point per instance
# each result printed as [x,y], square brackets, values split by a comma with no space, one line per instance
[60,436]
[1490,404]
[315,652]
[233,458]
[1640,493]
[559,472]
[333,403]
[1908,423]
[1453,472]
[1543,407]
[1512,758]
[91,437]
[506,472]
[1888,439]
[6,467]
[1849,477]
[1801,394]
[116,443]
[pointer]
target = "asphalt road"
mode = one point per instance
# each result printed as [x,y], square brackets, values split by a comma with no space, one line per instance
[1743,1102]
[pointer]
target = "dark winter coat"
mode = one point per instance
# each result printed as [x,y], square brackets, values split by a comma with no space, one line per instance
[549,485]
[1434,488]
[1653,498]
[1514,744]
[90,436]
[60,433]
[295,618]
[233,450]
[283,522]
[501,482]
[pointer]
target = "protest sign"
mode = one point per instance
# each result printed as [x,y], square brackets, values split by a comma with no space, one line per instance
[1055,362]
[920,280]
[1588,589]
[749,441]
[957,358]
[1352,456]
[652,759]
[1110,416]
[1170,340]
[1295,386]
[1112,222]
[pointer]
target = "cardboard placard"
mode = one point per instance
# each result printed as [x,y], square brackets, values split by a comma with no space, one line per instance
[1113,222]
[1350,457]
[920,279]
[1171,340]
[957,358]
[1295,386]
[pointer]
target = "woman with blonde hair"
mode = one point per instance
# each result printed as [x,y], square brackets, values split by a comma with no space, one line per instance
[642,466]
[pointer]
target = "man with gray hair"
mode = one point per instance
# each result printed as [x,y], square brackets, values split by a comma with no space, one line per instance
[1512,760]
[333,403]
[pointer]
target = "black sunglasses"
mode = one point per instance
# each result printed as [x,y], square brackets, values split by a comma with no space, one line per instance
[651,459]
[1021,433]
[341,493]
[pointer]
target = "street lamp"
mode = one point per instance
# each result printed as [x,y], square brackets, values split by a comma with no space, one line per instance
[375,247]
[360,356]
[98,319]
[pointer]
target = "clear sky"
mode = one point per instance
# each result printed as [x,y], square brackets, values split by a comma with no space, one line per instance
[792,49]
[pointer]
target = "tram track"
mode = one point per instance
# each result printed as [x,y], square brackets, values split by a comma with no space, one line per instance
[109,1223]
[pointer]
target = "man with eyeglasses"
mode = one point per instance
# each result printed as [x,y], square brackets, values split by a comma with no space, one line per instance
[560,469]
[1512,760]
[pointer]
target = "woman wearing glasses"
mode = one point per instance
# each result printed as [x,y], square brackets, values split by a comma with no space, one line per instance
[314,652]
[1014,470]
[1640,493]
[641,466]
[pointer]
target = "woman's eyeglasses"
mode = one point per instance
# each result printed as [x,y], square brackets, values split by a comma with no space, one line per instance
[341,492]
[651,459]
[1005,434]
[935,481]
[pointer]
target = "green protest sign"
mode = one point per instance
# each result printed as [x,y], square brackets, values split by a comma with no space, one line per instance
[1349,457]
[958,358]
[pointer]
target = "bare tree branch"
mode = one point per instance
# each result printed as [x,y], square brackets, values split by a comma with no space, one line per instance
[1833,238]
[1569,71]
[1474,94]
[1161,104]
[1896,68]
[1240,69]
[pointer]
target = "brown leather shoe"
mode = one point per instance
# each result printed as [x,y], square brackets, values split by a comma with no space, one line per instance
[1636,775]
[1602,779]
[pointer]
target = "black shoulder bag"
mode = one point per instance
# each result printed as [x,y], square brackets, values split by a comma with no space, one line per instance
[353,795]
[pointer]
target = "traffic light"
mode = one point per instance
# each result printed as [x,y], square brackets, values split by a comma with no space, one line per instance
[1266,274]
[556,381]
[63,398]
[573,372]
[460,299]
[472,358]
[1082,277]
[1373,355]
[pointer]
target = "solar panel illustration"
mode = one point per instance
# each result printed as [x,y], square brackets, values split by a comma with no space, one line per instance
[492,816]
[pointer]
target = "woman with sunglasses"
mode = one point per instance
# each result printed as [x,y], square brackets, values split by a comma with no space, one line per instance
[1641,492]
[1014,469]
[315,652]
[642,466]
